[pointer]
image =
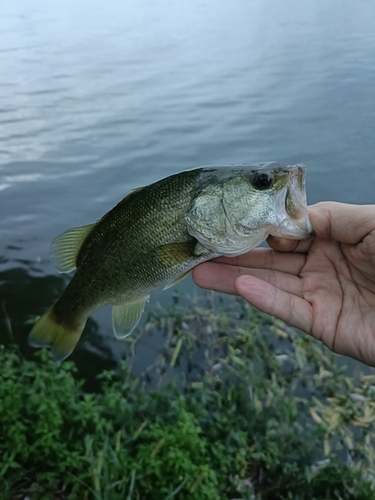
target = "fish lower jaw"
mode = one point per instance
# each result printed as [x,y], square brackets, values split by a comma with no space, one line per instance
[292,230]
[234,246]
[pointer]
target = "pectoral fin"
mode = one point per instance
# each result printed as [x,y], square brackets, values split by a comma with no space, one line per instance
[179,256]
[177,280]
[175,254]
[126,316]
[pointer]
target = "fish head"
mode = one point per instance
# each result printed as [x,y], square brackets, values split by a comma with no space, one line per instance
[272,197]
[241,206]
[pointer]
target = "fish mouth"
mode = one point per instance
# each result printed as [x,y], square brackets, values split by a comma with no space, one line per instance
[291,208]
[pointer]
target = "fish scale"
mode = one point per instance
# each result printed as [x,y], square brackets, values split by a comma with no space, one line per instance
[157,234]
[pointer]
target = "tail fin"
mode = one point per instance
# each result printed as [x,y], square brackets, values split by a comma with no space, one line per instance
[48,333]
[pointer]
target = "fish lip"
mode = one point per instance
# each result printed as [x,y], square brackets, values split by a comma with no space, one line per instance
[291,230]
[294,225]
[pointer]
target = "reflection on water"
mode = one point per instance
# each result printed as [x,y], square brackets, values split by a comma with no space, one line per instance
[97,101]
[24,296]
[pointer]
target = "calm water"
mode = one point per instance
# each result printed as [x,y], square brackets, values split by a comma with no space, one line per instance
[97,99]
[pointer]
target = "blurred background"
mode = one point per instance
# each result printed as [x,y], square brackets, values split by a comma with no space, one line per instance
[99,98]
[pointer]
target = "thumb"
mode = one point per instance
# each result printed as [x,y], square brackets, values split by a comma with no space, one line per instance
[342,222]
[338,221]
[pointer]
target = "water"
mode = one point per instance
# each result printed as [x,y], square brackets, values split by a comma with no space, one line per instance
[97,99]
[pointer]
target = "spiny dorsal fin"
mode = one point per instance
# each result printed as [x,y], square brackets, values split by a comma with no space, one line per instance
[65,248]
[136,190]
[127,197]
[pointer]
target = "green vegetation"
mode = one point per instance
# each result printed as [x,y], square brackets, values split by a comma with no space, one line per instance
[236,406]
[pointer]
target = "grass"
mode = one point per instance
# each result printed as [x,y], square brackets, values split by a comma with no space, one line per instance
[236,406]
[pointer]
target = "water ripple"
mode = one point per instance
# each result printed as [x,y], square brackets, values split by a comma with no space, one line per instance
[95,102]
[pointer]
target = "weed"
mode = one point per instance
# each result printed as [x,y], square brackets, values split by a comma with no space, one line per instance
[239,406]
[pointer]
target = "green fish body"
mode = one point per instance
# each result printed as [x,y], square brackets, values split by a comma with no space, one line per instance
[156,235]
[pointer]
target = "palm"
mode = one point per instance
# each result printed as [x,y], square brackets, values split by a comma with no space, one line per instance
[342,297]
[324,286]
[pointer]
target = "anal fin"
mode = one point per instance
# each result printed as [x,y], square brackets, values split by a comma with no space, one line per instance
[126,316]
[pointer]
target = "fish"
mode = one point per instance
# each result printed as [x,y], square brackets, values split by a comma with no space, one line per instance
[157,234]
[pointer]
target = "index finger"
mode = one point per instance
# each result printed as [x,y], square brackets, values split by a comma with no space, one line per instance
[287,245]
[264,258]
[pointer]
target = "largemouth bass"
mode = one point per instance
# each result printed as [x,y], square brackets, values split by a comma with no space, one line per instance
[156,235]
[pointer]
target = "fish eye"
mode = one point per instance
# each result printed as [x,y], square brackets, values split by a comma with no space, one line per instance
[262,180]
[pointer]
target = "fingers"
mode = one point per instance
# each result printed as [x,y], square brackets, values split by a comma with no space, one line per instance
[222,278]
[272,292]
[264,296]
[264,258]
[286,245]
[339,221]
[342,222]
[282,244]
[216,276]
[279,269]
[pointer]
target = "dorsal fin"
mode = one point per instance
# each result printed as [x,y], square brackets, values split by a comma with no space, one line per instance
[136,190]
[126,198]
[64,249]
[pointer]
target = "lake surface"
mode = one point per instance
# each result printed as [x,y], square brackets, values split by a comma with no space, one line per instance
[98,99]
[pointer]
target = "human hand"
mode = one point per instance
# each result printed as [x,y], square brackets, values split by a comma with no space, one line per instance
[324,286]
